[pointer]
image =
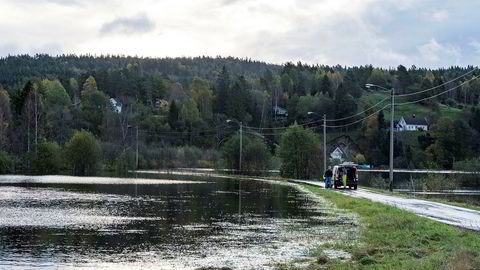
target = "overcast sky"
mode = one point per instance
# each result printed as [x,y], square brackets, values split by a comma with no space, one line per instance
[384,33]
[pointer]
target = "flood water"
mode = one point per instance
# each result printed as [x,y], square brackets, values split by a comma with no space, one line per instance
[100,223]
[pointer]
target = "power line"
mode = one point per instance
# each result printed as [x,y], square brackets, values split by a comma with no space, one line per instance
[436,95]
[435,87]
[221,127]
[328,120]
[358,121]
[216,129]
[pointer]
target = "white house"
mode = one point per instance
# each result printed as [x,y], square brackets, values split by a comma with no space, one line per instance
[279,113]
[337,154]
[412,123]
[116,105]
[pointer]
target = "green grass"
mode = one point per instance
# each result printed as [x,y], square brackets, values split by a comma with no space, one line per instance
[396,239]
[371,98]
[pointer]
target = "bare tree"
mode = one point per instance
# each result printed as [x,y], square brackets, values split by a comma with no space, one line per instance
[5,116]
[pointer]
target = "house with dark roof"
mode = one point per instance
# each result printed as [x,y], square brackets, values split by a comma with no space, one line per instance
[412,123]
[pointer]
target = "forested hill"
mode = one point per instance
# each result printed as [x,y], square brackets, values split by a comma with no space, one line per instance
[185,102]
[17,69]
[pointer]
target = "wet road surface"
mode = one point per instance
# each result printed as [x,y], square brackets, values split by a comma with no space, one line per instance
[449,214]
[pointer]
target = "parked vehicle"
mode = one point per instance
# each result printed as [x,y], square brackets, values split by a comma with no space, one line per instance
[348,169]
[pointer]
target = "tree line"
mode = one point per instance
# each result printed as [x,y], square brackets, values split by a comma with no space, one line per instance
[176,108]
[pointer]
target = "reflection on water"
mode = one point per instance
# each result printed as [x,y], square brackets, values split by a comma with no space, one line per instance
[185,225]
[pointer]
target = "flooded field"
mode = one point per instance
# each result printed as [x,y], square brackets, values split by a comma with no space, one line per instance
[107,223]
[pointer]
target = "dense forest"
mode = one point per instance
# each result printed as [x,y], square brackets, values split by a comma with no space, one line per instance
[88,115]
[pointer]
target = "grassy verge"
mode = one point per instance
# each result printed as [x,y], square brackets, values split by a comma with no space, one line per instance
[410,196]
[396,239]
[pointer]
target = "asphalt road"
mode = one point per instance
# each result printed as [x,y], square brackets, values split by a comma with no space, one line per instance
[452,215]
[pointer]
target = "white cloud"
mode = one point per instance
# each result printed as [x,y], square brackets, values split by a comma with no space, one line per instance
[440,15]
[476,45]
[436,53]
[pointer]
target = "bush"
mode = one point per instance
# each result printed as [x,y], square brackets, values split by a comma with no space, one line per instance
[451,102]
[255,154]
[124,163]
[469,165]
[360,159]
[191,155]
[47,158]
[438,182]
[6,163]
[83,153]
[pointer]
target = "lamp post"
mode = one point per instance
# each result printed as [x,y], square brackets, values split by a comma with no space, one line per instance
[239,169]
[392,109]
[241,142]
[324,140]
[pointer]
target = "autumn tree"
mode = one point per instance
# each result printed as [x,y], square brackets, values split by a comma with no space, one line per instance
[203,97]
[94,105]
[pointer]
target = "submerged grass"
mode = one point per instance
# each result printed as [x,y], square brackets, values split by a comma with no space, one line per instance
[396,239]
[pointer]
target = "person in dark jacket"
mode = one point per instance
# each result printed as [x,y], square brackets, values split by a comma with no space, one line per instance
[327,177]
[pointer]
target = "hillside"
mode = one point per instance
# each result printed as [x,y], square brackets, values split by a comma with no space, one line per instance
[179,108]
[431,112]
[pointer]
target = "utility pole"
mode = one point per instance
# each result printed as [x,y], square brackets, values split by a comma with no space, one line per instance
[324,143]
[240,180]
[240,159]
[36,120]
[136,151]
[391,138]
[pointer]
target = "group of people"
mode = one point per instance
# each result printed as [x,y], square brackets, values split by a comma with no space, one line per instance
[328,175]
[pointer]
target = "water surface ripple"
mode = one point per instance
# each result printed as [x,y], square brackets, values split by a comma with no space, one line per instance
[47,222]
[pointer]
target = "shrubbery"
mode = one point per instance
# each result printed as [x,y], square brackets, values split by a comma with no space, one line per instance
[47,159]
[256,157]
[6,163]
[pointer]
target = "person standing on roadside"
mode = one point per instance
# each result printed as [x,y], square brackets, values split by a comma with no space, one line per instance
[327,177]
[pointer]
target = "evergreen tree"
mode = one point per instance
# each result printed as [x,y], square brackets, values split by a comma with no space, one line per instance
[404,79]
[325,86]
[222,91]
[173,114]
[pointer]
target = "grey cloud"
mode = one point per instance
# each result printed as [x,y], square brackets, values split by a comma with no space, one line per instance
[58,2]
[15,48]
[132,25]
[228,2]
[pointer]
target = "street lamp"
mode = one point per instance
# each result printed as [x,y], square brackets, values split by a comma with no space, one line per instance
[241,141]
[392,93]
[324,140]
[239,170]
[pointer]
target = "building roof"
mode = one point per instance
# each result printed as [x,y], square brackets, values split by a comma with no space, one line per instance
[415,120]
